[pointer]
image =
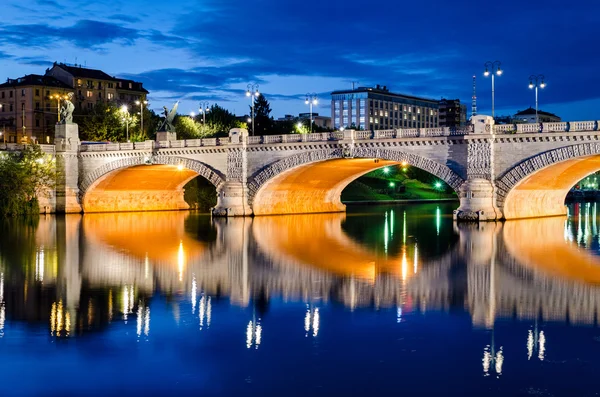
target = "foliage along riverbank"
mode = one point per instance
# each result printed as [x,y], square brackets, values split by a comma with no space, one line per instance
[25,176]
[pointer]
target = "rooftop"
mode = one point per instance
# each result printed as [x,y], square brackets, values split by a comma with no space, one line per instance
[531,111]
[86,73]
[382,90]
[35,79]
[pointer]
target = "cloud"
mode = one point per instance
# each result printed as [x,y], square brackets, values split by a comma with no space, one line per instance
[125,18]
[84,33]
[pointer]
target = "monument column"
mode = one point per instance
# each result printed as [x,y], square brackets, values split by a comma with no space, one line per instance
[478,193]
[232,196]
[66,142]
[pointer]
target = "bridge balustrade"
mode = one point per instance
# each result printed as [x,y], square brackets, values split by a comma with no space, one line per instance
[525,128]
[555,127]
[583,125]
[504,128]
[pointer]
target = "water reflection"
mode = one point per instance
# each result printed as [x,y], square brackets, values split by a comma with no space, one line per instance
[73,275]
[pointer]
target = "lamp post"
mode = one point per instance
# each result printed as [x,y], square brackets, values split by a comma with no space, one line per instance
[126,117]
[311,99]
[492,68]
[204,108]
[58,97]
[535,82]
[141,105]
[252,93]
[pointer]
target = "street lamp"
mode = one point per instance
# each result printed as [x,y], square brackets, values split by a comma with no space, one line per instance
[539,82]
[141,104]
[492,68]
[192,115]
[58,97]
[204,108]
[311,99]
[126,117]
[252,93]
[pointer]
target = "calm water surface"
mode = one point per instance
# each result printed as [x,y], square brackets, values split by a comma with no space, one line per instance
[379,301]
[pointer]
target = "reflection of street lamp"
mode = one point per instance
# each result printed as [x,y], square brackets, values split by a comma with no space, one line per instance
[311,320]
[536,79]
[494,69]
[536,340]
[253,332]
[126,118]
[252,93]
[141,104]
[311,99]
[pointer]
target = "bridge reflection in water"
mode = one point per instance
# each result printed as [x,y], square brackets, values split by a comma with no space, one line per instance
[82,273]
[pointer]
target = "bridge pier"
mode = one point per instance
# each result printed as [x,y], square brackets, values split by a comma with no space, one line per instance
[66,138]
[477,201]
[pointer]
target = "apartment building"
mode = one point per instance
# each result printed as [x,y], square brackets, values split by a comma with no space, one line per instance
[452,113]
[28,110]
[373,108]
[93,85]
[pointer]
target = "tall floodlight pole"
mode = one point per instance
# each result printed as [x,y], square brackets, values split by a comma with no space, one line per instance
[311,99]
[535,82]
[492,68]
[252,93]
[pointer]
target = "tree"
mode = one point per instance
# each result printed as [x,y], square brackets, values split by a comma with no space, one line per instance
[24,176]
[263,122]
[186,127]
[220,120]
[105,122]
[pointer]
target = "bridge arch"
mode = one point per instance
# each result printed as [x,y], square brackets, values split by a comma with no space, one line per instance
[539,185]
[312,182]
[143,182]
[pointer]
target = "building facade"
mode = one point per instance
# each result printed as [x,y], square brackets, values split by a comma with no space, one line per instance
[318,121]
[376,108]
[28,108]
[92,86]
[452,113]
[528,116]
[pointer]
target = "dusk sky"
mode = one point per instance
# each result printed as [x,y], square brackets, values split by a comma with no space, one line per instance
[209,50]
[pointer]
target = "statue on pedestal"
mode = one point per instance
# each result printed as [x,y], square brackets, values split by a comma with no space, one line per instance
[167,124]
[66,110]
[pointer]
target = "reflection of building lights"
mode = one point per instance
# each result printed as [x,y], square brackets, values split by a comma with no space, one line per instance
[39,265]
[127,301]
[60,319]
[180,260]
[398,314]
[2,305]
[404,264]
[143,319]
[385,234]
[146,266]
[404,228]
[205,311]
[416,259]
[194,287]
[392,224]
[535,339]
[490,358]
[438,220]
[311,321]
[253,334]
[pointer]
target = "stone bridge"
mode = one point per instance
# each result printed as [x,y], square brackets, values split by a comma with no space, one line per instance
[498,171]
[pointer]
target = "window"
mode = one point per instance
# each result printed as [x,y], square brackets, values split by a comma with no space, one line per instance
[47,92]
[23,92]
[37,122]
[410,109]
[99,85]
[10,108]
[90,105]
[2,94]
[386,114]
[404,108]
[37,106]
[110,85]
[90,94]
[10,94]
[395,107]
[78,82]
[110,96]
[130,86]
[419,110]
[99,95]
[405,117]
[90,84]
[371,120]
[37,92]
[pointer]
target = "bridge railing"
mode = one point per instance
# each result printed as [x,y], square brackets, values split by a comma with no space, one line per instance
[398,133]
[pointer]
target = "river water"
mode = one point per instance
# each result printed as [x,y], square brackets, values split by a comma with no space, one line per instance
[388,301]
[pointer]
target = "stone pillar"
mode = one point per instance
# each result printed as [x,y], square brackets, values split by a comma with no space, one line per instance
[478,193]
[66,141]
[166,136]
[232,196]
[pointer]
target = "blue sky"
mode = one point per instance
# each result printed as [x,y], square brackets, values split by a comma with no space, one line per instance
[198,50]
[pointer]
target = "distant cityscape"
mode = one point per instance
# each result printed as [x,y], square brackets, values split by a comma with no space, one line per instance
[29,105]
